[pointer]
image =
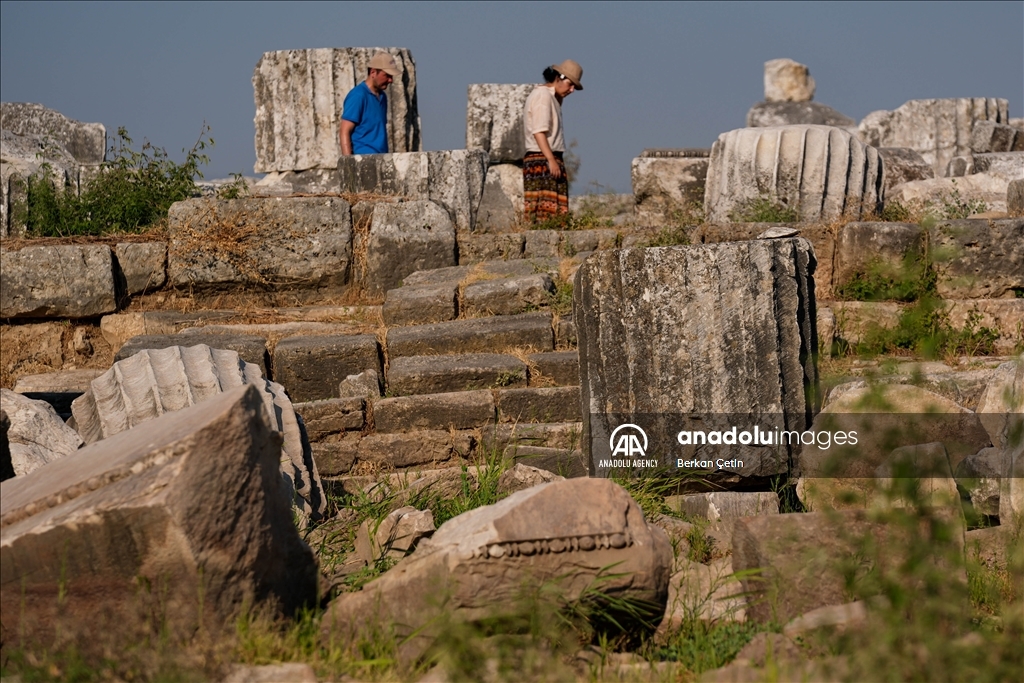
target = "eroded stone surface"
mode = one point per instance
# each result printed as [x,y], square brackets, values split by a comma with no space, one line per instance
[35,434]
[313,367]
[820,171]
[662,185]
[404,238]
[787,81]
[978,259]
[501,206]
[143,264]
[460,372]
[494,120]
[765,114]
[938,129]
[453,179]
[302,243]
[193,503]
[65,281]
[901,165]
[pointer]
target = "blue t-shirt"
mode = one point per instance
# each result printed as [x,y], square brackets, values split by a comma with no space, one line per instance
[370,136]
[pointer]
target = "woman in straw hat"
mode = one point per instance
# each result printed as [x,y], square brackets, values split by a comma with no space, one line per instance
[545,185]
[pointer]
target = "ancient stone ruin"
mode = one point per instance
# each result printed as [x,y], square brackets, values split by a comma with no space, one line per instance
[365,387]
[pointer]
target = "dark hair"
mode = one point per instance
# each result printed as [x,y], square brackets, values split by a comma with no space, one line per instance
[550,75]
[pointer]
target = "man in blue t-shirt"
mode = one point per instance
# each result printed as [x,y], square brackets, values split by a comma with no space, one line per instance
[364,117]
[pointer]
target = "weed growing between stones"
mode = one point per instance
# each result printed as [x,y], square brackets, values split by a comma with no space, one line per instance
[924,329]
[910,280]
[952,206]
[133,191]
[764,210]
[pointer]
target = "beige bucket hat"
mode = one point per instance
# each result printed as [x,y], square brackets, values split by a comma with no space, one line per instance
[571,70]
[386,63]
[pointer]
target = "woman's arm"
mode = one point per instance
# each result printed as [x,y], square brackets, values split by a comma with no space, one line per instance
[545,148]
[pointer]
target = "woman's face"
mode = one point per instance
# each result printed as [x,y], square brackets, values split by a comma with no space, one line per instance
[563,86]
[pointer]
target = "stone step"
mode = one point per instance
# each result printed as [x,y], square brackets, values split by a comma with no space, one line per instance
[561,461]
[479,335]
[539,404]
[455,410]
[408,375]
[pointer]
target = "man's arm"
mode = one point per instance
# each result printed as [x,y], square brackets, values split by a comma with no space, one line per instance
[346,136]
[545,148]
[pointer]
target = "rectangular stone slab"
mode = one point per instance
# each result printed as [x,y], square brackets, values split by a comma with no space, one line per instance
[193,500]
[458,410]
[66,281]
[480,335]
[560,367]
[460,372]
[539,404]
[311,368]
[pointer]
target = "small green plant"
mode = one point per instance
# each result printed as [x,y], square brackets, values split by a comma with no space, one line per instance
[236,189]
[132,191]
[509,378]
[764,210]
[952,206]
[925,329]
[561,298]
[894,211]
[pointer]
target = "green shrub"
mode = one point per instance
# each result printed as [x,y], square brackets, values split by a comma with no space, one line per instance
[132,191]
[952,206]
[925,329]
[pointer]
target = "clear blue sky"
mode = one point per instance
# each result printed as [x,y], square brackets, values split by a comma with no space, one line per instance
[656,75]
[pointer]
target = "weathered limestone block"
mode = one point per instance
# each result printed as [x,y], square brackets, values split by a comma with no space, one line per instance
[960,166]
[366,384]
[453,410]
[565,462]
[507,296]
[901,165]
[725,504]
[250,348]
[404,238]
[143,265]
[494,120]
[1015,198]
[787,81]
[36,435]
[723,331]
[66,281]
[539,404]
[418,304]
[989,136]
[395,536]
[330,419]
[822,172]
[86,142]
[293,243]
[477,248]
[562,534]
[310,181]
[1011,489]
[157,381]
[980,259]
[300,97]
[454,179]
[929,464]
[933,192]
[193,504]
[312,367]
[766,114]
[882,248]
[479,335]
[501,206]
[461,372]
[938,129]
[411,449]
[542,243]
[561,368]
[1008,165]
[663,184]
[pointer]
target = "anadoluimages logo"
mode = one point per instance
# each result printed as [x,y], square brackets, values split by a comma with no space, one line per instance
[628,444]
